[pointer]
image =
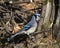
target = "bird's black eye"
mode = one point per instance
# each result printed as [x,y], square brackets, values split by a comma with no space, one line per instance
[39,11]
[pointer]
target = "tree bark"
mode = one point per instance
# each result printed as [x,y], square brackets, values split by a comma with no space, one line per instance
[31,0]
[56,26]
[48,12]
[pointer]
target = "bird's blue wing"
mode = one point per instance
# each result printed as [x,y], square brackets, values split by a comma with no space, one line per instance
[26,27]
[29,24]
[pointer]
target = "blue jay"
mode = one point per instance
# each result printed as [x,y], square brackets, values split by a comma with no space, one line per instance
[30,27]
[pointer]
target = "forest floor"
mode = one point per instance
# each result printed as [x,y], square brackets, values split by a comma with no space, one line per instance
[39,42]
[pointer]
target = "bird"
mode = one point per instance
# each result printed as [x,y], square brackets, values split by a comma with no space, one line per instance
[29,28]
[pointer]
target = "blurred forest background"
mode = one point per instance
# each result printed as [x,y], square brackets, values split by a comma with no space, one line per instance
[48,26]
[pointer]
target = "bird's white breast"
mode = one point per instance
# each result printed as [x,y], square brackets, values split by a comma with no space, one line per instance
[32,29]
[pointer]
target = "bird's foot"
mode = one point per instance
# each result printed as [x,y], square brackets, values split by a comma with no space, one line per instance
[8,39]
[32,38]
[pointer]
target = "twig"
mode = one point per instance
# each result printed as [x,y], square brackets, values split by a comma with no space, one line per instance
[6,28]
[39,32]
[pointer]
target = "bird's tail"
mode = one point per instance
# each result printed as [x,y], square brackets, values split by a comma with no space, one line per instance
[19,33]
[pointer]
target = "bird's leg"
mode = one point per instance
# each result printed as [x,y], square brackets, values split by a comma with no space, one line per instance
[32,38]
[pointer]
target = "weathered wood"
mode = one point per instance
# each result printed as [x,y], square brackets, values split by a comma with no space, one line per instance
[48,12]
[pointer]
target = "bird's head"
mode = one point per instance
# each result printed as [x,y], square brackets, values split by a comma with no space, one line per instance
[38,14]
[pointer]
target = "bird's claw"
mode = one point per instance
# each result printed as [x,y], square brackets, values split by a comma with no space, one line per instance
[32,38]
[8,39]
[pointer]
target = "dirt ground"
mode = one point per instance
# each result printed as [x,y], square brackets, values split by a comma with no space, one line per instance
[39,40]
